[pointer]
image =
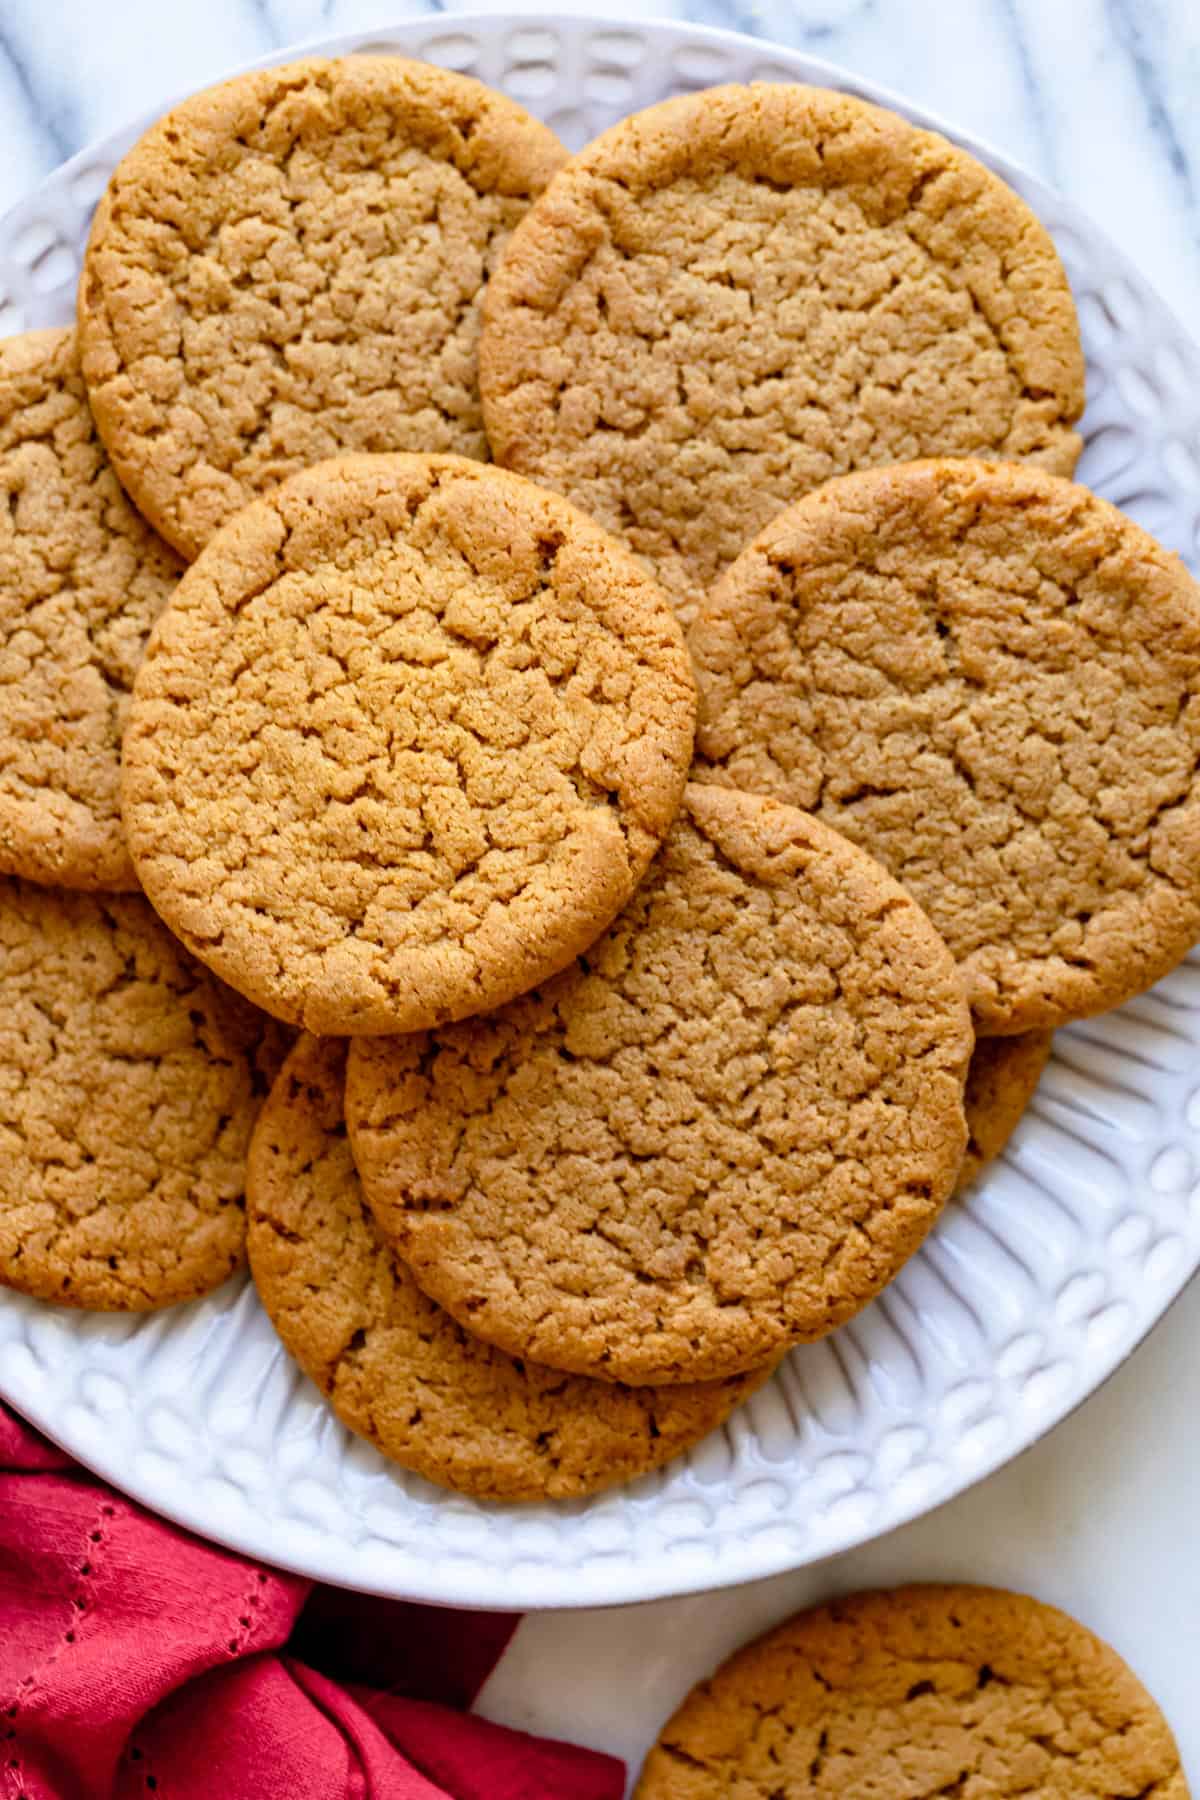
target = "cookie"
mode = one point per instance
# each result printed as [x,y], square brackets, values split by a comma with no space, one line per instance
[1001,1080]
[129,1081]
[394,1366]
[404,742]
[289,266]
[731,297]
[721,1132]
[82,579]
[989,679]
[919,1691]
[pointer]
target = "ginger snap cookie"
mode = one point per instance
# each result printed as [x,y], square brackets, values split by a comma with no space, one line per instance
[288,266]
[920,1691]
[721,1132]
[82,579]
[394,1366]
[129,1081]
[404,742]
[989,679]
[731,297]
[1001,1082]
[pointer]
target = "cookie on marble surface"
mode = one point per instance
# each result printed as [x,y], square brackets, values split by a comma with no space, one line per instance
[394,1366]
[289,265]
[721,1132]
[1001,1081]
[404,742]
[129,1082]
[732,296]
[919,1691]
[989,679]
[82,579]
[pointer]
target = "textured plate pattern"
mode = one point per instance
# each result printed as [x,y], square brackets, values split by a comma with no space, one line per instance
[1029,1293]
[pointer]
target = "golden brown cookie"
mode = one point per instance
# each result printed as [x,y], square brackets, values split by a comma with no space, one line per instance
[734,295]
[917,1693]
[129,1081]
[403,743]
[394,1366]
[289,265]
[720,1133]
[989,679]
[1001,1080]
[82,579]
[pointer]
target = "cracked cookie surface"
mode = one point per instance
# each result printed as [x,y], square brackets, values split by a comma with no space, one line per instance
[721,1132]
[399,1370]
[290,265]
[920,1693]
[1001,1081]
[82,579]
[732,296]
[129,1081]
[404,742]
[990,679]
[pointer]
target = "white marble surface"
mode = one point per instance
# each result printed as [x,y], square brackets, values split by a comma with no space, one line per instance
[1100,98]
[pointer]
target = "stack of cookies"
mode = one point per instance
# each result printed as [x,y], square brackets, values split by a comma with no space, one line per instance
[638,975]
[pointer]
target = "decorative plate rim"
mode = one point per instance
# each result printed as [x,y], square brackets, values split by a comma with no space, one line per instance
[1094,1138]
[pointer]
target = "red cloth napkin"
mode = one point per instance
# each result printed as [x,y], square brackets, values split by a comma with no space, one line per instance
[136,1660]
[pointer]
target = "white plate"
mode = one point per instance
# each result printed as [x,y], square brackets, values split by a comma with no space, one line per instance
[1026,1297]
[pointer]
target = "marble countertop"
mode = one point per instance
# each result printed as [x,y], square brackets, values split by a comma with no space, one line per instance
[1099,98]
